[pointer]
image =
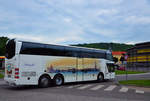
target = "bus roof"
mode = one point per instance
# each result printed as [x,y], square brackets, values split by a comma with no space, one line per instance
[66,46]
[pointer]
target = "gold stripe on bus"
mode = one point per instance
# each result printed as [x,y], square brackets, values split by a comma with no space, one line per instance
[143,51]
[139,57]
[132,61]
[143,60]
[72,62]
[139,60]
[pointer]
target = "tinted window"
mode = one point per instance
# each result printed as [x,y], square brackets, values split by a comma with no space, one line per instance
[55,50]
[72,52]
[109,56]
[41,49]
[10,49]
[87,53]
[93,54]
[101,55]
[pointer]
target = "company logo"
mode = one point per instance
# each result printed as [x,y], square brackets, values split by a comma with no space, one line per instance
[29,65]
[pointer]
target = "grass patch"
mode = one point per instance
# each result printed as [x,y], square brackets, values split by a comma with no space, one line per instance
[145,83]
[1,75]
[119,72]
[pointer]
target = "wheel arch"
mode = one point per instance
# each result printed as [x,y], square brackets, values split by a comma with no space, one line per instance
[46,75]
[101,73]
[59,74]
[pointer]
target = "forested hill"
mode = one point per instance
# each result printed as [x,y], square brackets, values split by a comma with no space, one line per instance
[114,46]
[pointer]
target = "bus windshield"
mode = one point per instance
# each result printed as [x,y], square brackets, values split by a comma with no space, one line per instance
[10,49]
[109,56]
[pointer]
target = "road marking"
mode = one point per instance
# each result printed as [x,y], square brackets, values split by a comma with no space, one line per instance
[85,86]
[139,91]
[110,88]
[97,87]
[123,89]
[73,86]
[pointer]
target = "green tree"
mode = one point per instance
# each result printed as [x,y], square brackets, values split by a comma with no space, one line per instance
[3,41]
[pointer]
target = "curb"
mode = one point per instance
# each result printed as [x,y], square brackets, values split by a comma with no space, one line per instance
[145,89]
[134,74]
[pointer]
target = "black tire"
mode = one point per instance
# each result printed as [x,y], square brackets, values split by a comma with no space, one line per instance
[100,77]
[44,82]
[58,80]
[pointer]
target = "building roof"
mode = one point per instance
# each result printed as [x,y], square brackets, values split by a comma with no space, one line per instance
[143,43]
[2,57]
[118,52]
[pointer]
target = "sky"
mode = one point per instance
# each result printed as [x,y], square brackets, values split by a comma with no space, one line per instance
[76,21]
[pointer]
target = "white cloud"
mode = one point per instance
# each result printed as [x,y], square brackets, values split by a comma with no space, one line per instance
[67,38]
[27,37]
[105,2]
[58,21]
[70,36]
[131,42]
[3,28]
[107,12]
[68,20]
[135,42]
[138,19]
[108,32]
[104,32]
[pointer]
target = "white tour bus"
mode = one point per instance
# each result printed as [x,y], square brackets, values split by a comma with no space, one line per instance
[31,63]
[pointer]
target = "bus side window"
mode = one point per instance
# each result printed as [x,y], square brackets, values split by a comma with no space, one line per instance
[55,50]
[72,52]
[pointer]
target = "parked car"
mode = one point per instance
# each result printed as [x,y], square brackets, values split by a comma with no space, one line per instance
[121,68]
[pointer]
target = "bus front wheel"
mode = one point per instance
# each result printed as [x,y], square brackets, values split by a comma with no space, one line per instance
[44,82]
[100,77]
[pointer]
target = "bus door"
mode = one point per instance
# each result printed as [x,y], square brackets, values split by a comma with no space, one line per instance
[89,70]
[111,69]
[79,69]
[71,73]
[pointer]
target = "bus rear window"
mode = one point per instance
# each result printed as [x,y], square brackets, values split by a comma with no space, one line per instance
[10,49]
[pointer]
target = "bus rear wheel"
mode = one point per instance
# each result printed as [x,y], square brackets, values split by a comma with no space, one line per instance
[58,80]
[44,82]
[100,77]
